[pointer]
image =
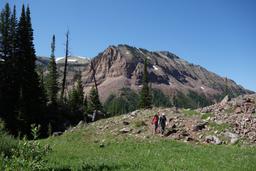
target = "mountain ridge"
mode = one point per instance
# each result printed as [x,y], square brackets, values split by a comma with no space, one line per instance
[121,66]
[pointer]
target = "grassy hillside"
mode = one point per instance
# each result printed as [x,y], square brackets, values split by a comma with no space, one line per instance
[101,146]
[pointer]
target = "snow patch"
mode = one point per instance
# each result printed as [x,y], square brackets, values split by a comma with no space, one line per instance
[127,52]
[202,88]
[72,60]
[155,68]
[140,86]
[170,83]
[59,58]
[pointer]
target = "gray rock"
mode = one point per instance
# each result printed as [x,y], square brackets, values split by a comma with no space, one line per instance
[232,136]
[212,139]
[238,110]
[57,133]
[125,130]
[225,100]
[199,126]
[126,123]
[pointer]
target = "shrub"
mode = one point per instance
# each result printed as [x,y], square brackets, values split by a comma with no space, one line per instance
[29,155]
[7,143]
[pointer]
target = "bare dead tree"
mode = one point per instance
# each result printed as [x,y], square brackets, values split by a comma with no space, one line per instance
[65,66]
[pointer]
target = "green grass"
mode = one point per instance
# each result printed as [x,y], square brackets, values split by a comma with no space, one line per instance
[219,127]
[190,112]
[79,150]
[206,115]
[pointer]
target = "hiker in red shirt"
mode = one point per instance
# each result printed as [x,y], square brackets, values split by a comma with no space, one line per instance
[155,122]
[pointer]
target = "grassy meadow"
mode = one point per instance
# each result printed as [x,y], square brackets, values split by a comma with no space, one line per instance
[84,150]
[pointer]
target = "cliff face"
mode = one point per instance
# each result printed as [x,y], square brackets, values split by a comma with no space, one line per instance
[122,66]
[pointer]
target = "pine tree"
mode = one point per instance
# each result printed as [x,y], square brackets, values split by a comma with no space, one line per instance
[8,74]
[76,95]
[94,101]
[31,98]
[145,95]
[52,77]
[5,29]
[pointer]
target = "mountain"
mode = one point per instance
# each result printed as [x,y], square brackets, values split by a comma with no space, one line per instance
[121,66]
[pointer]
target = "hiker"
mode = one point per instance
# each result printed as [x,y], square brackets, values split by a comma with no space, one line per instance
[155,122]
[162,122]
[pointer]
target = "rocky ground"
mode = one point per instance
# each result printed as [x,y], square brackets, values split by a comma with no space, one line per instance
[229,122]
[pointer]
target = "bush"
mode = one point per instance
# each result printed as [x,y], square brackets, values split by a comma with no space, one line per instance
[7,143]
[23,154]
[29,155]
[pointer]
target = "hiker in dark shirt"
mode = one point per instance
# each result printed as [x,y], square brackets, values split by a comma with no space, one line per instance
[162,122]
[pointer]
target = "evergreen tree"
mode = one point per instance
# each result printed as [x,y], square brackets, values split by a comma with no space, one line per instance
[76,95]
[5,29]
[8,74]
[13,32]
[85,105]
[94,101]
[52,77]
[145,95]
[31,98]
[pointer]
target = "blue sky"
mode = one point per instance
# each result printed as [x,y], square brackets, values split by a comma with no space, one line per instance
[219,35]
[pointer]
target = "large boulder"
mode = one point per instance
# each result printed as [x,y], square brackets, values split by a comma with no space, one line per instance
[199,126]
[212,139]
[232,136]
[224,100]
[125,130]
[96,115]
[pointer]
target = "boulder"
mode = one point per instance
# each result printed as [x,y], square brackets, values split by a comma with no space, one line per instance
[238,110]
[126,123]
[125,130]
[134,113]
[57,133]
[232,136]
[97,114]
[170,131]
[199,126]
[225,100]
[212,139]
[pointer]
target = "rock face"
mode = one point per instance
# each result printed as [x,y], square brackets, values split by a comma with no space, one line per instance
[122,66]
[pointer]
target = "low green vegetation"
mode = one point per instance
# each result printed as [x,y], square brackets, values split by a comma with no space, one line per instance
[220,127]
[79,151]
[206,115]
[190,112]
[140,124]
[191,100]
[22,154]
[128,100]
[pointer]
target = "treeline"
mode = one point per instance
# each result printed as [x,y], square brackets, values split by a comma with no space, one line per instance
[21,97]
[29,97]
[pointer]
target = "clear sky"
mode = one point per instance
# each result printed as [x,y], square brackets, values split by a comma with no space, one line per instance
[219,35]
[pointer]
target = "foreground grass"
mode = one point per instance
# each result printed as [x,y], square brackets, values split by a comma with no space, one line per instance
[80,150]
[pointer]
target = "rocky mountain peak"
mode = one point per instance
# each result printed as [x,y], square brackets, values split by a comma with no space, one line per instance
[121,66]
